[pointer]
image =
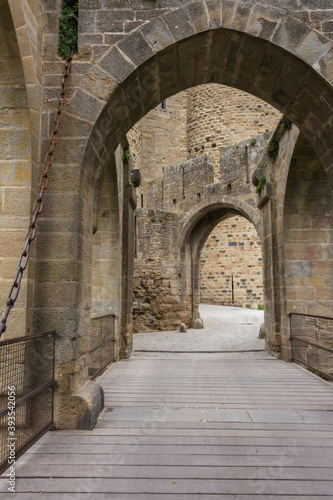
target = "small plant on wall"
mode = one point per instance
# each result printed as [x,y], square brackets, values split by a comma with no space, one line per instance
[284,125]
[253,141]
[272,149]
[126,156]
[261,184]
[68,29]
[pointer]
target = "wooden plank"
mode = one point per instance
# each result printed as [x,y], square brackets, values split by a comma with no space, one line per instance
[173,472]
[175,449]
[180,486]
[204,460]
[174,432]
[159,496]
[287,455]
[156,440]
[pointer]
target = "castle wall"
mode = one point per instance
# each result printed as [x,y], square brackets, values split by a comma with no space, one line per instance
[158,141]
[157,298]
[230,265]
[219,116]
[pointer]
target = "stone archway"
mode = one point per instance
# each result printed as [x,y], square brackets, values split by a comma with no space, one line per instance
[259,49]
[195,230]
[153,63]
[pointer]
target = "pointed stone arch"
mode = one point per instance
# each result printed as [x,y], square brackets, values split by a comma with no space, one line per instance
[195,228]
[259,49]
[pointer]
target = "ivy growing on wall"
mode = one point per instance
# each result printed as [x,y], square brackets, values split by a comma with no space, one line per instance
[68,29]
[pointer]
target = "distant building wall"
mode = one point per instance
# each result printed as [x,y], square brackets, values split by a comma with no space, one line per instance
[230,265]
[219,116]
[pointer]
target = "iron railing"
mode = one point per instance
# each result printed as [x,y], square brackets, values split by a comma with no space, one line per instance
[102,338]
[312,342]
[26,393]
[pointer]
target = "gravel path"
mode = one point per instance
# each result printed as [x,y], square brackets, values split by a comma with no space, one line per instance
[226,329]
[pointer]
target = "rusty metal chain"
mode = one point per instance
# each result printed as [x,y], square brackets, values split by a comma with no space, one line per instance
[39,202]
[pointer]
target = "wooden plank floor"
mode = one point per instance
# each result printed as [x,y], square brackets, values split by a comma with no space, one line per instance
[193,427]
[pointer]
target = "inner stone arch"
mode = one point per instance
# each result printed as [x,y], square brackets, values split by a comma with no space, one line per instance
[196,239]
[182,171]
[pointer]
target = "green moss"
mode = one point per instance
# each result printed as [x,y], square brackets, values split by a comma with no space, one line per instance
[261,183]
[272,148]
[68,30]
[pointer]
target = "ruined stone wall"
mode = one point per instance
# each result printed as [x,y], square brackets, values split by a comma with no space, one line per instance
[230,265]
[157,303]
[219,116]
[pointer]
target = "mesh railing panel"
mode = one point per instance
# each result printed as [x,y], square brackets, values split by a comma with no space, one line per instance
[102,337]
[312,342]
[26,392]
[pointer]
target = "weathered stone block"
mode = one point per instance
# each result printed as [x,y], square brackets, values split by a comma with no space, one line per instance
[116,65]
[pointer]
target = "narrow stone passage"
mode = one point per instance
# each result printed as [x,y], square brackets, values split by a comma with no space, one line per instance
[238,426]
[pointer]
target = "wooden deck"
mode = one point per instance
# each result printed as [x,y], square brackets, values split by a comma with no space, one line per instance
[193,427]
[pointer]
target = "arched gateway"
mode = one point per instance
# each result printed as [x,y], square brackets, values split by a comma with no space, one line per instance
[261,49]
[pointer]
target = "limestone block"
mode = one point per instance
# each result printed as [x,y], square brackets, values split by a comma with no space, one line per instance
[182,328]
[116,65]
[158,34]
[198,324]
[262,331]
[79,411]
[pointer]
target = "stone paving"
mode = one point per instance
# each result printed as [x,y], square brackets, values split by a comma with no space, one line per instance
[226,329]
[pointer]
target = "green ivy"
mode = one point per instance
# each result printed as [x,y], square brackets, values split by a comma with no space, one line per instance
[261,183]
[68,30]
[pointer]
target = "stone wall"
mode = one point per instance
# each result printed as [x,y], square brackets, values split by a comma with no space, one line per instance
[219,116]
[103,23]
[157,301]
[158,141]
[181,186]
[230,265]
[15,169]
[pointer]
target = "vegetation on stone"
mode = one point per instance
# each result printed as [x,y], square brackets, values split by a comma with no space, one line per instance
[284,125]
[68,30]
[261,184]
[126,156]
[272,148]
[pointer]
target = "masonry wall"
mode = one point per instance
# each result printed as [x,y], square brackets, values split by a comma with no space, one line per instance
[15,169]
[106,22]
[157,301]
[219,116]
[181,186]
[158,141]
[230,265]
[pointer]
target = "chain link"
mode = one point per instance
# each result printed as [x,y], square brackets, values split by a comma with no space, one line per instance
[39,202]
